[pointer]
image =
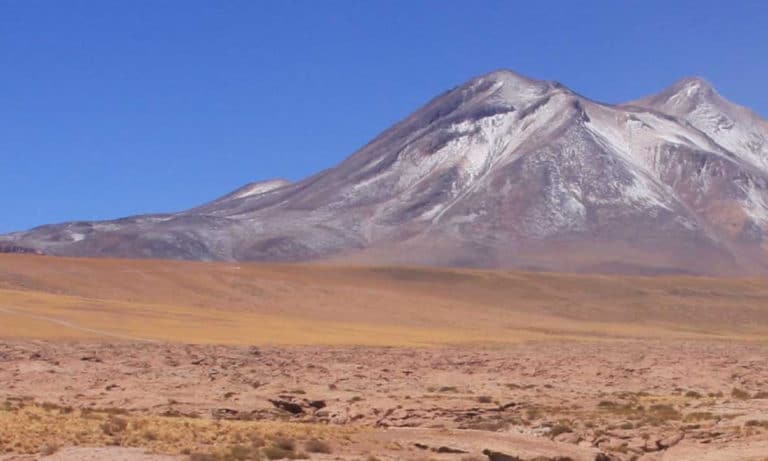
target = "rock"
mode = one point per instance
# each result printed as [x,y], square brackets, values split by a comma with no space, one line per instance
[568,437]
[290,407]
[507,406]
[339,419]
[650,457]
[316,404]
[449,450]
[497,456]
[670,441]
[225,413]
[636,445]
[612,444]
[10,248]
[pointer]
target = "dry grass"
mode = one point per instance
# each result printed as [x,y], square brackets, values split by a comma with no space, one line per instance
[30,428]
[653,414]
[701,416]
[311,304]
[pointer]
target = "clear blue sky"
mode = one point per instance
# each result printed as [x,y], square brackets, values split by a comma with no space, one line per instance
[112,107]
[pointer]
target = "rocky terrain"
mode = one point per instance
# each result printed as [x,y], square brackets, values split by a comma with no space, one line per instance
[10,248]
[619,400]
[502,171]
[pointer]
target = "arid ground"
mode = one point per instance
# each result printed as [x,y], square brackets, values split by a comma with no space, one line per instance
[159,360]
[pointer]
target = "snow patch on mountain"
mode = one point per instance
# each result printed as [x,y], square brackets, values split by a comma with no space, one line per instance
[258,188]
[756,204]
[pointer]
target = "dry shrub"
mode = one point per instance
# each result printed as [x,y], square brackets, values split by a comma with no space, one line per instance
[700,416]
[202,457]
[278,453]
[241,453]
[661,413]
[318,446]
[739,394]
[558,429]
[49,449]
[284,443]
[114,425]
[487,425]
[257,441]
[283,448]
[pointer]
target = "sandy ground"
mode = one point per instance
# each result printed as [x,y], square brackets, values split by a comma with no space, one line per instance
[620,399]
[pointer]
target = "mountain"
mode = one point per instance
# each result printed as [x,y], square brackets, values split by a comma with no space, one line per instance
[503,171]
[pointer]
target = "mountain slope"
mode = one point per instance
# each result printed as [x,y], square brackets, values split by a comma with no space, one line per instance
[502,171]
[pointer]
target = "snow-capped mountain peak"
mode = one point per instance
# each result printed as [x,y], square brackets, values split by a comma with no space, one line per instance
[691,88]
[735,128]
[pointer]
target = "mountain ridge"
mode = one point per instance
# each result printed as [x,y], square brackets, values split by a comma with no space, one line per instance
[502,171]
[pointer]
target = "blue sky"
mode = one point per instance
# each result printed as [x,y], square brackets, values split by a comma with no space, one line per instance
[110,107]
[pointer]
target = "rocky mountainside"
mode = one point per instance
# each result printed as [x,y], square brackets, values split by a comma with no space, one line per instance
[503,171]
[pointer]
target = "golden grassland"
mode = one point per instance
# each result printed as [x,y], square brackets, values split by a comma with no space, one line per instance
[234,303]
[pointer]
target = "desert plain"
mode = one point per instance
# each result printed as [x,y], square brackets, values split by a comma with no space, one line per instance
[166,360]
